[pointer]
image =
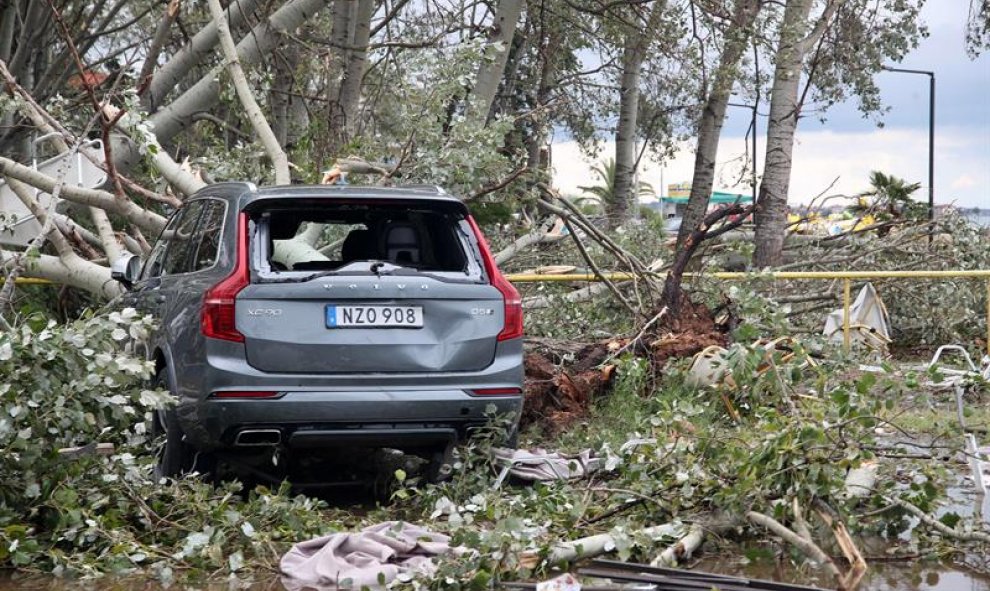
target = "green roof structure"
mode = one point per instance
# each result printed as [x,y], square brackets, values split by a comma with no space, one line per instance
[717,197]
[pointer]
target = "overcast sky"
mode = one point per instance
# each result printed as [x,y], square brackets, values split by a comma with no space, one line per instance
[847,147]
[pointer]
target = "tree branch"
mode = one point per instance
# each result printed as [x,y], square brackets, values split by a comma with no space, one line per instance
[243,88]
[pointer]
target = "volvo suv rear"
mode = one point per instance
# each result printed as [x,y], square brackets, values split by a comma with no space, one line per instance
[315,318]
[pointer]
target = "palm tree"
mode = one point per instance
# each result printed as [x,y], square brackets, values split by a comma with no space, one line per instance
[605,191]
[892,196]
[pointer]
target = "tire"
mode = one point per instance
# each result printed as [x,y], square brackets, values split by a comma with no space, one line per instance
[175,457]
[512,439]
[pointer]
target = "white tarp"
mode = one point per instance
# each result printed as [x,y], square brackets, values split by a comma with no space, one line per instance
[869,322]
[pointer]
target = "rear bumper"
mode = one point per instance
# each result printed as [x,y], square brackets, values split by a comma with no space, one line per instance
[413,406]
[399,419]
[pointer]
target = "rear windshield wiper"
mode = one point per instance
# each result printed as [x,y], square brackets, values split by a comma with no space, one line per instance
[281,278]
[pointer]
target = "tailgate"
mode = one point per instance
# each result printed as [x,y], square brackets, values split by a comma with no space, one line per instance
[288,328]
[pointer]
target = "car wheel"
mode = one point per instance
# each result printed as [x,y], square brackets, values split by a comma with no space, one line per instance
[175,456]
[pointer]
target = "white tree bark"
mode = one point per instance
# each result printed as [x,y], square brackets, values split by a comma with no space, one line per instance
[41,120]
[357,59]
[636,46]
[204,94]
[181,179]
[250,104]
[492,68]
[737,35]
[199,47]
[350,35]
[301,247]
[771,208]
[68,267]
[623,192]
[140,217]
[599,544]
[108,239]
[53,234]
[806,545]
[538,236]
[86,276]
[683,549]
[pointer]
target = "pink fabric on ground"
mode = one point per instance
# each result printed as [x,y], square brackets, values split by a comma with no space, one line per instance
[374,556]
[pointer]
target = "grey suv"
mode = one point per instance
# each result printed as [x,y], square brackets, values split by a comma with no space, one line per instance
[325,317]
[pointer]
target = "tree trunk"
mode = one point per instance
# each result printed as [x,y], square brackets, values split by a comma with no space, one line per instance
[785,108]
[637,43]
[536,148]
[278,97]
[32,29]
[491,69]
[131,211]
[343,13]
[357,59]
[771,207]
[8,16]
[623,192]
[205,94]
[76,273]
[193,53]
[350,34]
[737,38]
[258,121]
[158,41]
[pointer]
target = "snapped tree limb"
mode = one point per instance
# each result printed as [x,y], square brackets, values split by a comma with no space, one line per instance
[140,217]
[250,104]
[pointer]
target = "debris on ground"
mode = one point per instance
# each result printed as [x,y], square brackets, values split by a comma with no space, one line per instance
[673,578]
[560,392]
[373,557]
[565,582]
[563,380]
[869,321]
[539,465]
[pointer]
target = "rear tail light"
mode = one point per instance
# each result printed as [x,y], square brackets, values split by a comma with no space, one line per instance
[497,391]
[513,327]
[245,394]
[218,317]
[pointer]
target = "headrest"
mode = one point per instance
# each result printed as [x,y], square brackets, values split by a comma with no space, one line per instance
[358,245]
[400,234]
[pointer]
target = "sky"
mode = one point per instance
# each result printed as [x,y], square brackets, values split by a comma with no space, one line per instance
[836,157]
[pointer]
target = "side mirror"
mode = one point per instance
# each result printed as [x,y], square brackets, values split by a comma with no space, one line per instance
[126,269]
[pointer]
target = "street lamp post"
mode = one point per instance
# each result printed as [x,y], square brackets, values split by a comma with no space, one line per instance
[931,135]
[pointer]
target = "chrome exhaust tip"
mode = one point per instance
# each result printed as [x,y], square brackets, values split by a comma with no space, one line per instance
[258,438]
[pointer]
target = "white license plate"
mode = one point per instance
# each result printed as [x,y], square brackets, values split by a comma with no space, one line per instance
[375,316]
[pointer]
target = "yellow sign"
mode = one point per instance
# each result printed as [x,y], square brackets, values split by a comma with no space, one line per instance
[679,190]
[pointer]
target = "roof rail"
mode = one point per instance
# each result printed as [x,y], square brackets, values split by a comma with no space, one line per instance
[424,187]
[242,184]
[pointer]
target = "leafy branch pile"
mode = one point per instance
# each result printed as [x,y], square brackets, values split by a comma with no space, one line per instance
[794,430]
[66,386]
[926,312]
[676,455]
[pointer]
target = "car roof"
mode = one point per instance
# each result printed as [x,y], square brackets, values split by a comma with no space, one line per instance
[246,193]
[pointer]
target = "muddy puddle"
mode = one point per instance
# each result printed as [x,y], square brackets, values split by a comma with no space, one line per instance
[909,575]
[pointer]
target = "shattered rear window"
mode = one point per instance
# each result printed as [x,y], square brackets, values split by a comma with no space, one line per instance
[336,236]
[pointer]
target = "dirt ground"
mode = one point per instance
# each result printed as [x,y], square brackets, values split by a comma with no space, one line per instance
[563,379]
